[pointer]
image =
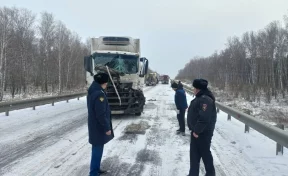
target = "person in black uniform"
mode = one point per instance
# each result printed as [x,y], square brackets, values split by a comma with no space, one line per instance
[201,119]
[99,121]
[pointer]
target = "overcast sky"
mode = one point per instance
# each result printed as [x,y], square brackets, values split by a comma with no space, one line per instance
[171,31]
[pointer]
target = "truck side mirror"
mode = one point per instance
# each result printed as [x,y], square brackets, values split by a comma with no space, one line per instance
[88,65]
[144,68]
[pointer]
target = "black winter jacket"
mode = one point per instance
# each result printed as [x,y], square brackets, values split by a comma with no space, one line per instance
[202,113]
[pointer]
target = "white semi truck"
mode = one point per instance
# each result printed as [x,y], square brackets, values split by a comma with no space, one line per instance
[151,79]
[120,58]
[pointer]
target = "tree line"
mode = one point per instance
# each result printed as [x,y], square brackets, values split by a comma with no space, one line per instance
[251,66]
[38,55]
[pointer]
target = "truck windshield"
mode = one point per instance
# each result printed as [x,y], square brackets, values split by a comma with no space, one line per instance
[123,63]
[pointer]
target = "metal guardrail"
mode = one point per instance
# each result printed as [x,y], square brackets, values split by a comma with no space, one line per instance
[16,105]
[274,133]
[277,134]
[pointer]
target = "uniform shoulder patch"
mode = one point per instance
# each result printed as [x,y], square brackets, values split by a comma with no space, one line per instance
[101,99]
[204,107]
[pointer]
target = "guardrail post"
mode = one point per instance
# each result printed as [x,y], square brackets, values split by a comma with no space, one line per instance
[246,126]
[279,148]
[7,112]
[218,110]
[67,101]
[34,107]
[229,117]
[78,98]
[52,103]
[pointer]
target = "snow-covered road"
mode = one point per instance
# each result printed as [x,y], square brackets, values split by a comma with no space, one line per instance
[53,141]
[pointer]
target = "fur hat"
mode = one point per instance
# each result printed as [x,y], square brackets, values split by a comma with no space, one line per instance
[101,78]
[174,85]
[200,84]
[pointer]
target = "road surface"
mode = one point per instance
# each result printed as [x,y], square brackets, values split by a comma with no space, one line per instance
[54,141]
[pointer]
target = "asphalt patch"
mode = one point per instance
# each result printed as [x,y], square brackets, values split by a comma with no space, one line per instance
[148,156]
[132,138]
[139,128]
[156,136]
[136,169]
[119,168]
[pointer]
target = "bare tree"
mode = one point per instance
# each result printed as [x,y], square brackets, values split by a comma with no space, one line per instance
[45,55]
[6,30]
[61,44]
[257,63]
[24,37]
[47,32]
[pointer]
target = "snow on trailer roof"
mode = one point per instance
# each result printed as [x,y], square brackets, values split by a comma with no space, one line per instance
[116,52]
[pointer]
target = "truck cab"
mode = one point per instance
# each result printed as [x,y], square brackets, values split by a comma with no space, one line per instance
[120,58]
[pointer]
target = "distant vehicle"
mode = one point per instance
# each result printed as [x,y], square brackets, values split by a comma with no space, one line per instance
[165,79]
[157,78]
[160,78]
[151,79]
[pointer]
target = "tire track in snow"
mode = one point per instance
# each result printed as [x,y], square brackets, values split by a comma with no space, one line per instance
[159,152]
[11,153]
[45,138]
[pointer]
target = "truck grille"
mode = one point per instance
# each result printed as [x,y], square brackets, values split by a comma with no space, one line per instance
[131,100]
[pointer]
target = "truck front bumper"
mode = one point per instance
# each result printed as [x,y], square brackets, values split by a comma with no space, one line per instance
[117,112]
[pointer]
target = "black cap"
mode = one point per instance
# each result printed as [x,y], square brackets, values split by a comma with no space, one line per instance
[200,84]
[174,85]
[101,78]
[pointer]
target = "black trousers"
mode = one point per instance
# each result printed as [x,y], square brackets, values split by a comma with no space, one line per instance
[200,148]
[181,119]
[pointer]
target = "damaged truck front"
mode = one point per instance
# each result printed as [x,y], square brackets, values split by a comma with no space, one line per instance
[120,58]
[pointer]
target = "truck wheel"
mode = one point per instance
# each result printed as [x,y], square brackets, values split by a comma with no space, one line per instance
[138,114]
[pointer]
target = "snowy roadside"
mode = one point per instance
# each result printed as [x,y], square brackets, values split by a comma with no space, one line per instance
[39,94]
[36,94]
[53,141]
[245,154]
[272,113]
